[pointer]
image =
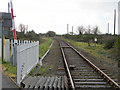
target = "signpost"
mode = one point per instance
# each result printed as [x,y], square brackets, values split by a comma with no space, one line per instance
[5,24]
[95,41]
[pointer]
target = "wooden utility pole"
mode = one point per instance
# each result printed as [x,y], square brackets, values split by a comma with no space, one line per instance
[114,20]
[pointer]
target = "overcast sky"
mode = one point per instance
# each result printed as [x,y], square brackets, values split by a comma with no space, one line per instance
[45,15]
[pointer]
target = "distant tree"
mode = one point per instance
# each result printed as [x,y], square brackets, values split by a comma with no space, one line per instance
[96,30]
[86,32]
[80,30]
[26,29]
[89,29]
[50,33]
[31,35]
[23,28]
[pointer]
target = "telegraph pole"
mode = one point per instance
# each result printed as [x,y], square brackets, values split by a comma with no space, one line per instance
[108,27]
[67,28]
[114,20]
[72,30]
[8,7]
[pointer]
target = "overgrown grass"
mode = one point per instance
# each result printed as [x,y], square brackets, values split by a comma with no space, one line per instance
[44,46]
[97,51]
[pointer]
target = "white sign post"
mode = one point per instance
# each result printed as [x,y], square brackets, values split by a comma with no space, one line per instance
[95,41]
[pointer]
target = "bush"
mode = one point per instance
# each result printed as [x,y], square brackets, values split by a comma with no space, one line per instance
[109,44]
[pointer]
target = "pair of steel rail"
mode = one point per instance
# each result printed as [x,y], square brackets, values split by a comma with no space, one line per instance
[105,76]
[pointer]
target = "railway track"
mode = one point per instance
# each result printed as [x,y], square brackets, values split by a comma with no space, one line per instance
[83,74]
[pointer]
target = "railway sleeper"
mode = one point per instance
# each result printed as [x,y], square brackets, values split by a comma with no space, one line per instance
[90,83]
[94,87]
[78,70]
[86,77]
[88,80]
[83,74]
[84,69]
[92,73]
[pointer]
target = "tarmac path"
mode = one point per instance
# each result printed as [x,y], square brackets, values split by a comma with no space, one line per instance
[7,83]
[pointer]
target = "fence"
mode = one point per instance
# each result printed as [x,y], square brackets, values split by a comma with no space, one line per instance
[26,57]
[12,44]
[9,48]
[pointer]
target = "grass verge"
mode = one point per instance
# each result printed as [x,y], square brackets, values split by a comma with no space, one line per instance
[10,69]
[44,46]
[97,51]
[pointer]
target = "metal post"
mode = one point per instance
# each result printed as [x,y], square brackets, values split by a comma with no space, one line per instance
[8,7]
[114,20]
[15,55]
[2,40]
